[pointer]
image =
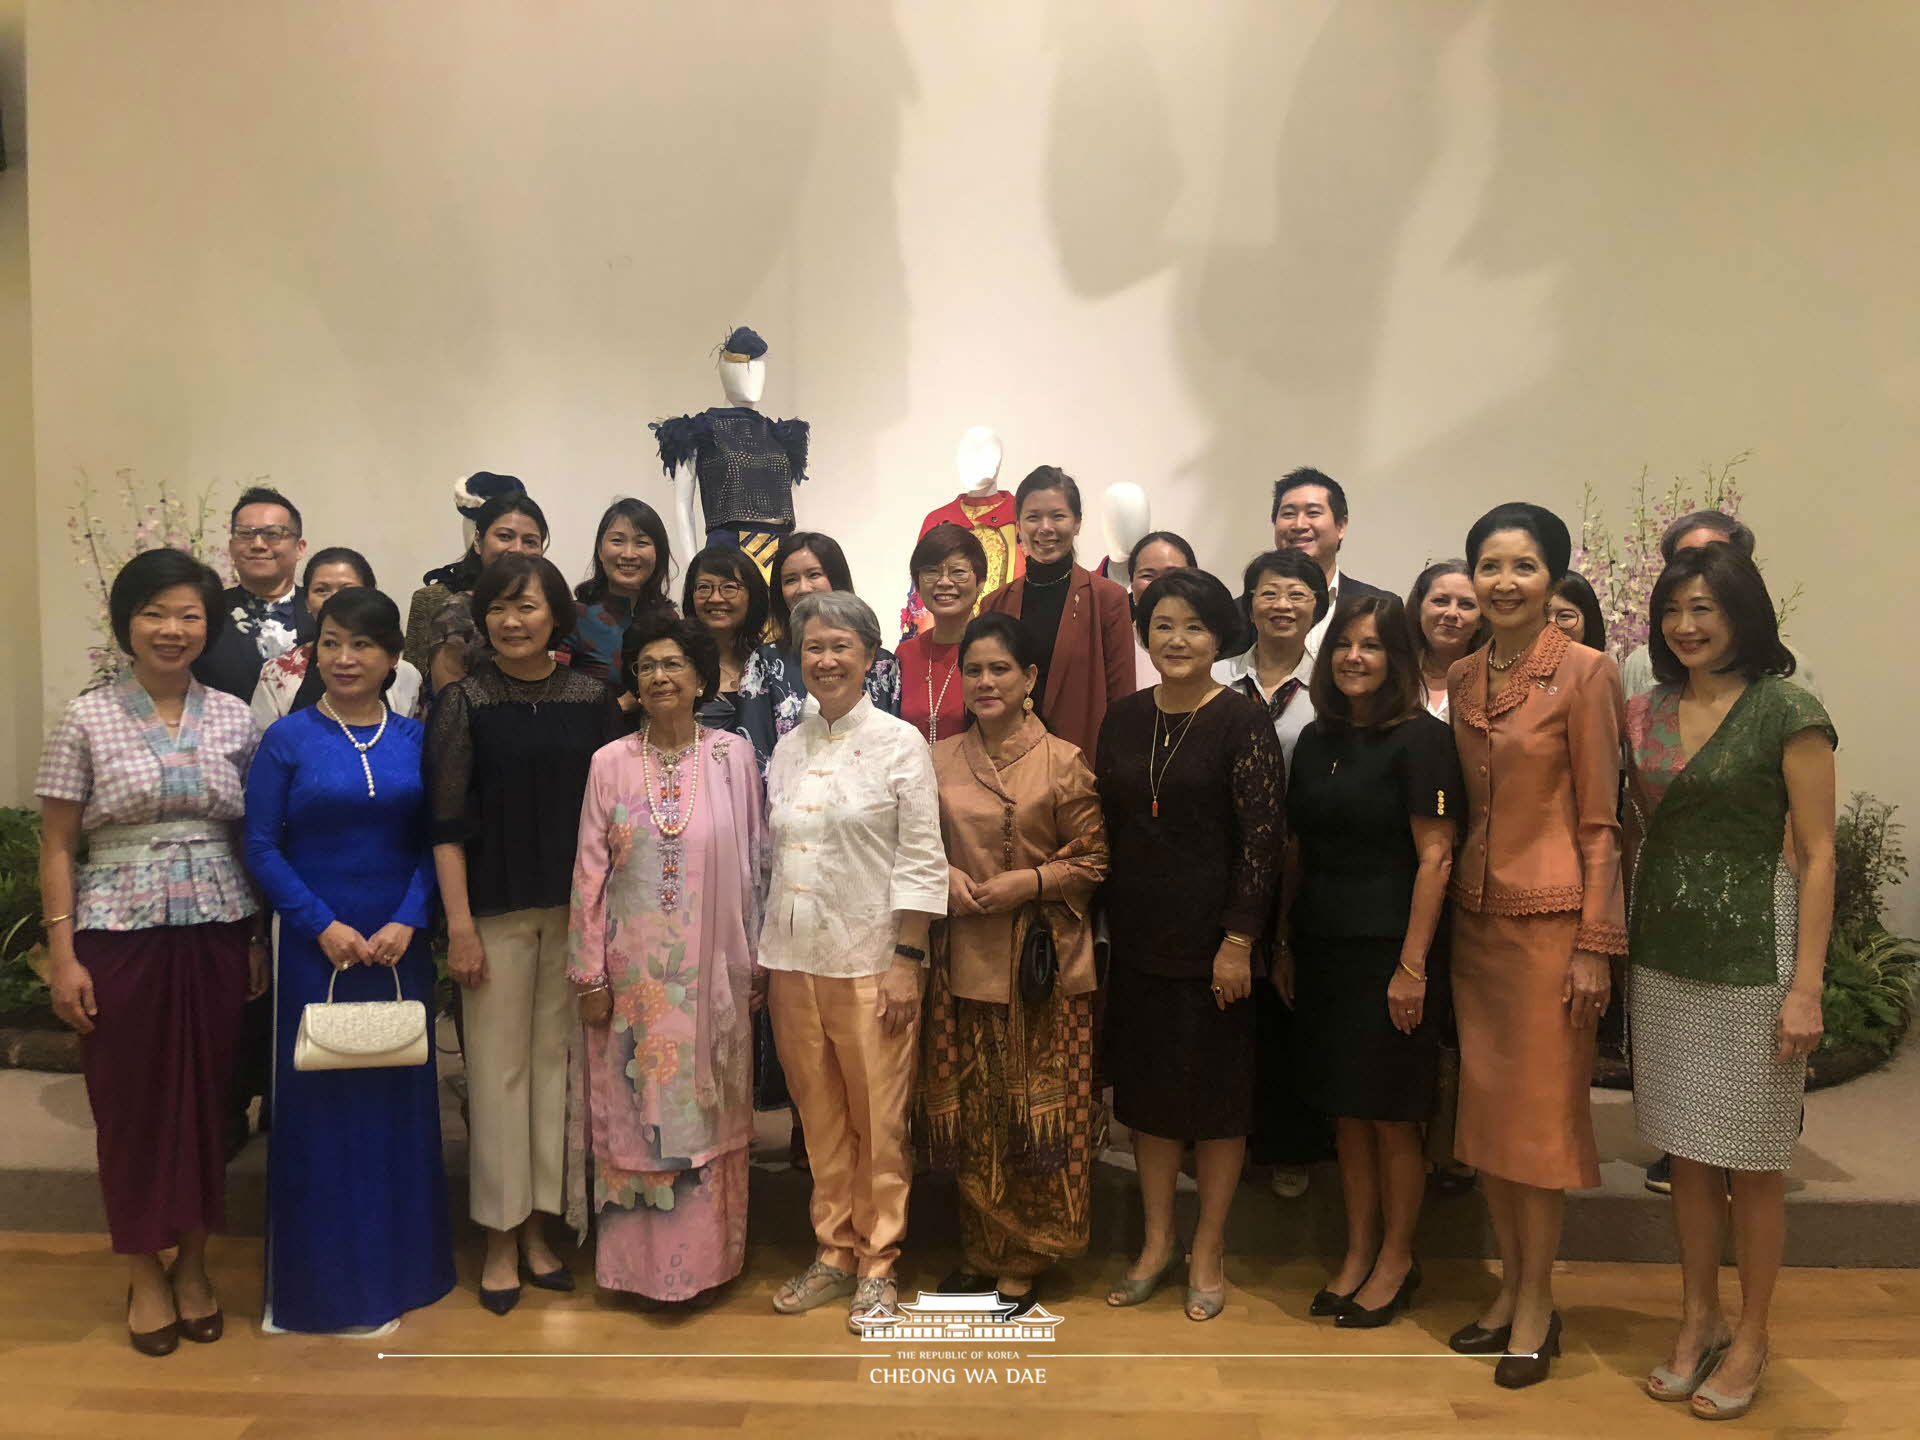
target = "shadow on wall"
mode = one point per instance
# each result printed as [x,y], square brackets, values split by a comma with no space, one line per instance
[533,262]
[1470,256]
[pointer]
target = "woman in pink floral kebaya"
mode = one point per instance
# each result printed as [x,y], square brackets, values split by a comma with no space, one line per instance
[666,903]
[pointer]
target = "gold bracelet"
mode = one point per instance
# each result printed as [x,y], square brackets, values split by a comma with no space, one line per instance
[1233,939]
[47,922]
[1419,975]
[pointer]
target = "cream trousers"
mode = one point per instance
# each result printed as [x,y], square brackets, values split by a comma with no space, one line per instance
[517,1027]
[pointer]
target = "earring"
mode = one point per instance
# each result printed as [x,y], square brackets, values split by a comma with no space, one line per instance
[1027,704]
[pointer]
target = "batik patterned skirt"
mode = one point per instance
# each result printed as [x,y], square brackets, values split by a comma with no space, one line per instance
[1008,1101]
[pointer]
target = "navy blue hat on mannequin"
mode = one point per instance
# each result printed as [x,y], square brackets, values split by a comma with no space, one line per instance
[472,493]
[742,344]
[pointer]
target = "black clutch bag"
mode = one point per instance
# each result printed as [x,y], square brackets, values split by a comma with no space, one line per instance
[1039,960]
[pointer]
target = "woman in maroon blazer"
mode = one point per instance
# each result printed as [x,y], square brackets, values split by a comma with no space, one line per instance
[1083,636]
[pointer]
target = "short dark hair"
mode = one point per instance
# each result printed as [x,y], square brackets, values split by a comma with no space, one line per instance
[823,548]
[1000,626]
[730,562]
[263,495]
[338,555]
[1291,565]
[644,518]
[1742,596]
[1548,530]
[150,572]
[1210,600]
[1573,587]
[509,576]
[1402,689]
[1048,477]
[1417,598]
[363,610]
[1718,521]
[1161,537]
[1307,475]
[696,642]
[944,540]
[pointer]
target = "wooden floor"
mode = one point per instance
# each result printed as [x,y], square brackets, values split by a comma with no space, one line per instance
[1846,1360]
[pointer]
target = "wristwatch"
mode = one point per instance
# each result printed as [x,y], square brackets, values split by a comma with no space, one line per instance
[913,953]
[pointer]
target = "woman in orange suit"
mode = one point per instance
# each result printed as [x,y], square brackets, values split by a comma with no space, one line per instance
[1537,911]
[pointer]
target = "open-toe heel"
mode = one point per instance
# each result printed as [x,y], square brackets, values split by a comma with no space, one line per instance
[1137,1292]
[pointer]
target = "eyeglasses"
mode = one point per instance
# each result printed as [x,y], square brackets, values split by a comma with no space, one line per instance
[707,590]
[672,665]
[958,574]
[1299,595]
[272,534]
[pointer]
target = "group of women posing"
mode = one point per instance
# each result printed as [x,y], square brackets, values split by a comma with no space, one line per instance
[897,860]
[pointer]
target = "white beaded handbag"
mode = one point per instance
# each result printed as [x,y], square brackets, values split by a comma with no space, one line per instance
[361,1034]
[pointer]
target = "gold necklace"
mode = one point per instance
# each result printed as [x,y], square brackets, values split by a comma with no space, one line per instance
[933,705]
[1153,784]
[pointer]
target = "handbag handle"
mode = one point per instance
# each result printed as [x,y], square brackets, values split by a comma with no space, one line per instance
[398,993]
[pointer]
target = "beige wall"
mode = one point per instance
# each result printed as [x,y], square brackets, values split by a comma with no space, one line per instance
[1451,252]
[19,578]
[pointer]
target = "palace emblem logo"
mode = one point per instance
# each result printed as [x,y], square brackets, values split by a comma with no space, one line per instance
[956,1320]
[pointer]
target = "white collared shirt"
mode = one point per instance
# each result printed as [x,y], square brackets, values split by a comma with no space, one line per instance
[1240,672]
[855,819]
[1319,631]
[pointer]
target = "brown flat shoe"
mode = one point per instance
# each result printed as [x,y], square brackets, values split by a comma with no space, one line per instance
[201,1330]
[163,1341]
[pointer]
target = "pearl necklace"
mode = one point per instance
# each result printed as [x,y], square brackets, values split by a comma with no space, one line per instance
[672,829]
[933,705]
[366,767]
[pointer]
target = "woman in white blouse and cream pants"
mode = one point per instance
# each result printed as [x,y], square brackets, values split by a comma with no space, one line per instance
[859,873]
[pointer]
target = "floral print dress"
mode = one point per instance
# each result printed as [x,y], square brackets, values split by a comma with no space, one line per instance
[661,1103]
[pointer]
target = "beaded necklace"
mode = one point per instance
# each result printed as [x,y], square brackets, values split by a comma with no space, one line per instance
[366,766]
[933,705]
[669,787]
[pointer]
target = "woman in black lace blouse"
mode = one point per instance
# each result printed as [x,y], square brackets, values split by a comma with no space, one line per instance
[1191,783]
[508,749]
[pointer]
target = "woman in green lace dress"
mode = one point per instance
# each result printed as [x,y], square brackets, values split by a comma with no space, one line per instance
[1727,944]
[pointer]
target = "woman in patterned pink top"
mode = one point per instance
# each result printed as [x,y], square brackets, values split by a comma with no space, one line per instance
[154,937]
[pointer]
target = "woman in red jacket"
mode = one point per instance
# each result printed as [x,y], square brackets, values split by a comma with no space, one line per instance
[1082,636]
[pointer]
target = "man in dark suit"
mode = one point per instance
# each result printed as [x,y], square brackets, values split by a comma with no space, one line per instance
[266,613]
[1310,514]
[266,617]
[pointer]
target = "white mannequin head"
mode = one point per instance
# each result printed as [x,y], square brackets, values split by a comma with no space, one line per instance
[977,460]
[1126,516]
[743,381]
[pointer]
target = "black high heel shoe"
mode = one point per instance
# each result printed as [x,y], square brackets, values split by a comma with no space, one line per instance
[1330,1302]
[1476,1339]
[1516,1372]
[558,1278]
[500,1302]
[1359,1317]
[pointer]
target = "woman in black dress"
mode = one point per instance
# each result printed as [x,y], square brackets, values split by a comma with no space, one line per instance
[1371,803]
[1193,789]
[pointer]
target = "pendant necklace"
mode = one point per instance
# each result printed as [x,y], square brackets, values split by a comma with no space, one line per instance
[366,767]
[1172,746]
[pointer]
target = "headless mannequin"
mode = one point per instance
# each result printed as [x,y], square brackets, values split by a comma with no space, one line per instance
[1125,516]
[980,507]
[743,382]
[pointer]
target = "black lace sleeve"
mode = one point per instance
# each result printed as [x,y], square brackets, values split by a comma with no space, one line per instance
[1260,816]
[448,756]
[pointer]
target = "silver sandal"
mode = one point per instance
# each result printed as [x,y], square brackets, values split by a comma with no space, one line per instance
[813,1287]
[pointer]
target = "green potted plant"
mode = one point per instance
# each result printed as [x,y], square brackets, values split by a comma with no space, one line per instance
[1873,975]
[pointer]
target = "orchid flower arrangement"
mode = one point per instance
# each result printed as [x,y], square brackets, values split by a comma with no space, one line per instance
[146,517]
